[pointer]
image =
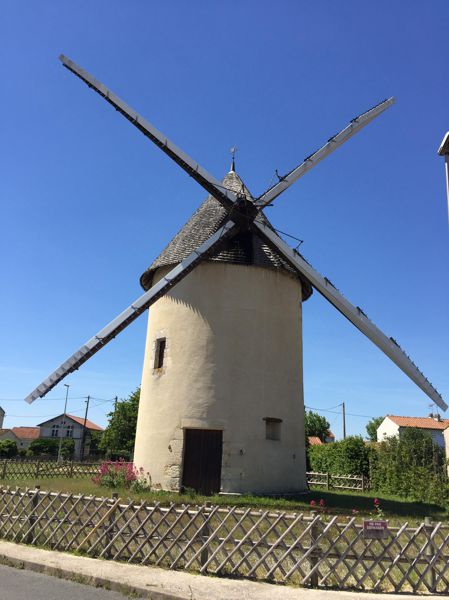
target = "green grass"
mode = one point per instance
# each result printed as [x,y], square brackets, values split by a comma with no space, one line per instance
[336,502]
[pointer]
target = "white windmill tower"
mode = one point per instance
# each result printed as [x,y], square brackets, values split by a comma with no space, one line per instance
[221,401]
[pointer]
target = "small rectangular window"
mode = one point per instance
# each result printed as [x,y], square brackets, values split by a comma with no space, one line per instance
[272,428]
[69,432]
[159,354]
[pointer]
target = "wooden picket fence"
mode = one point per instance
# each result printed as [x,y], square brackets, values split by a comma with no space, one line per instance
[339,482]
[304,549]
[18,469]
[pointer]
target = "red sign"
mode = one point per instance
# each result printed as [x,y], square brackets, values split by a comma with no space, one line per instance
[375,530]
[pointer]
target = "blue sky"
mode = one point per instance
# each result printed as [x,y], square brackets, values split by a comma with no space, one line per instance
[87,202]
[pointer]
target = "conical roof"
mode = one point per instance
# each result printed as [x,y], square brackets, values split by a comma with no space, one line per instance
[244,248]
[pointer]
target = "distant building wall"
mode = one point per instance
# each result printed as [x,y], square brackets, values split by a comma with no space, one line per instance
[387,429]
[390,429]
[68,429]
[7,434]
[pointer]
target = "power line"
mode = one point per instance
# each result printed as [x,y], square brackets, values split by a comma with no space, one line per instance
[339,413]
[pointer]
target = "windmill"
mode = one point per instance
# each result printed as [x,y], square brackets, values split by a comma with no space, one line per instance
[222,397]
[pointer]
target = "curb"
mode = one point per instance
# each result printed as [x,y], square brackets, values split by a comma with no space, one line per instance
[94,581]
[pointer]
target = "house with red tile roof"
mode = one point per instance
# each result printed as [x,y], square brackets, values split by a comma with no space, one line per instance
[70,427]
[314,440]
[434,425]
[22,436]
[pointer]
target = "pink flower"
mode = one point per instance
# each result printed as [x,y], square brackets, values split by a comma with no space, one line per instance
[355,512]
[376,501]
[312,503]
[322,503]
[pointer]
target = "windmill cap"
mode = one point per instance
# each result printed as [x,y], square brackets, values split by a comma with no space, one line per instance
[242,249]
[444,148]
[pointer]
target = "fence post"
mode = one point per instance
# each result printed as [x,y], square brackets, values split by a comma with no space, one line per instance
[430,553]
[71,469]
[109,534]
[37,468]
[33,516]
[327,481]
[363,483]
[204,534]
[4,471]
[313,559]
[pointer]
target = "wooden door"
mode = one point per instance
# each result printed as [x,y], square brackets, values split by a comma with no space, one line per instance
[202,460]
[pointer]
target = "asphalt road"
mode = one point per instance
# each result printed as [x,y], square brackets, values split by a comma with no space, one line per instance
[18,584]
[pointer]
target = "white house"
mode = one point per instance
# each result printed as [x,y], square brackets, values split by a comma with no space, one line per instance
[434,425]
[69,427]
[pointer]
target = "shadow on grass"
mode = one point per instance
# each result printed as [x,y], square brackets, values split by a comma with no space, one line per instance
[336,502]
[390,506]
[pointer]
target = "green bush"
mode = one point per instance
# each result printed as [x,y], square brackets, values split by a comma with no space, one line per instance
[346,457]
[411,466]
[8,449]
[49,448]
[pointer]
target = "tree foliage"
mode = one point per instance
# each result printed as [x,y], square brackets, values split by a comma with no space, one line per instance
[346,457]
[371,428]
[411,466]
[119,436]
[316,425]
[8,449]
[49,447]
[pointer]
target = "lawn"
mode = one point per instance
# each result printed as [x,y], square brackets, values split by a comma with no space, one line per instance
[335,502]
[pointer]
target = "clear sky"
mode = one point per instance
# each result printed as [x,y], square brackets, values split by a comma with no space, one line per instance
[87,202]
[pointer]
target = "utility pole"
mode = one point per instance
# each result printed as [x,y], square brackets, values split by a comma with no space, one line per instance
[62,428]
[115,403]
[344,419]
[83,439]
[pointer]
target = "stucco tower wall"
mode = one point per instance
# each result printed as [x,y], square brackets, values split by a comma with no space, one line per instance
[233,357]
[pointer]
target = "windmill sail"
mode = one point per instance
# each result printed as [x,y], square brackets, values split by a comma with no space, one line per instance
[228,199]
[357,317]
[131,313]
[332,144]
[208,181]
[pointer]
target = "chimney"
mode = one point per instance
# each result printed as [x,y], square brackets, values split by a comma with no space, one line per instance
[2,416]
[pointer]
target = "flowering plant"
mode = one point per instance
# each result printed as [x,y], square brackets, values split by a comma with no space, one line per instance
[377,508]
[115,474]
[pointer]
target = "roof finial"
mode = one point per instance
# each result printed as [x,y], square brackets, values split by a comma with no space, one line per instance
[233,150]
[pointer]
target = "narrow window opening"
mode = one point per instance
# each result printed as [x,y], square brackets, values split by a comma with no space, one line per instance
[272,428]
[160,353]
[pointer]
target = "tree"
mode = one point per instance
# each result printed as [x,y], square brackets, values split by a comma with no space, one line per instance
[316,425]
[371,428]
[50,447]
[94,442]
[120,434]
[8,449]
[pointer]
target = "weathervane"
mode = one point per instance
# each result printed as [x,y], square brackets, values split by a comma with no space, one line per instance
[233,150]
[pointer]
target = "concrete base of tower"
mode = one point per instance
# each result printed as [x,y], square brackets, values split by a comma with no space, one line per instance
[221,404]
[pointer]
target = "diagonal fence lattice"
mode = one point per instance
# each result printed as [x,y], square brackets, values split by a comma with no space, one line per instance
[24,469]
[310,550]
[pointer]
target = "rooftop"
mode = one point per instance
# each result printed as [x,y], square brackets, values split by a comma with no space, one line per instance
[314,440]
[420,422]
[244,248]
[26,433]
[80,420]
